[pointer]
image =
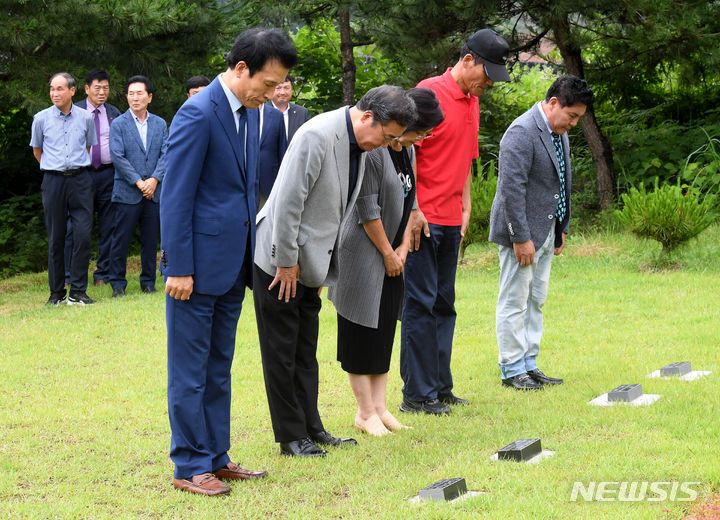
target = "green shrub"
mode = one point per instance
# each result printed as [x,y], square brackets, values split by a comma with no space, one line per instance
[23,241]
[482,192]
[670,214]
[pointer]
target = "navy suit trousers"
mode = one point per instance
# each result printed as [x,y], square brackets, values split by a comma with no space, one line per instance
[102,193]
[127,216]
[201,344]
[428,321]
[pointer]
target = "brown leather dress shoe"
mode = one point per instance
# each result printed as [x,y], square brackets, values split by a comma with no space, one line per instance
[205,484]
[234,472]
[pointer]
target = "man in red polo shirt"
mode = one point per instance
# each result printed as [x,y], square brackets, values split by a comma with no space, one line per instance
[443,191]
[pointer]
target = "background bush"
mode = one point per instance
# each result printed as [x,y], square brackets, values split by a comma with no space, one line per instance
[669,214]
[482,191]
[23,243]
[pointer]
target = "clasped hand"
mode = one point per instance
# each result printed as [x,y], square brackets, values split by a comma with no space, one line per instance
[147,187]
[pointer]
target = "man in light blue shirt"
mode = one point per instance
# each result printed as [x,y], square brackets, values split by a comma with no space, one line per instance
[61,139]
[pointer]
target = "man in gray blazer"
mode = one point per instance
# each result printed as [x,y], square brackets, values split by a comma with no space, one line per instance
[529,222]
[296,254]
[294,115]
[138,142]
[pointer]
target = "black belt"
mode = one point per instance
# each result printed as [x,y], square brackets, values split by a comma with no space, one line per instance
[66,173]
[101,167]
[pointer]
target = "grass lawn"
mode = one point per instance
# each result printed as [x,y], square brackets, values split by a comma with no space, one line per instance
[84,430]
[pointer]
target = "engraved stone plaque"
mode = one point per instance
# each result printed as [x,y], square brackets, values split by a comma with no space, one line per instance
[625,393]
[444,490]
[676,369]
[520,450]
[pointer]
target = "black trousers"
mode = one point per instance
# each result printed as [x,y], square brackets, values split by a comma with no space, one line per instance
[66,198]
[288,335]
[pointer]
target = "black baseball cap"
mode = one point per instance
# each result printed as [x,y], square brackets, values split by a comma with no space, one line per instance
[494,50]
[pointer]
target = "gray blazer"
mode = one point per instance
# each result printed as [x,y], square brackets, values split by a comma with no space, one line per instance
[356,294]
[132,160]
[302,219]
[529,183]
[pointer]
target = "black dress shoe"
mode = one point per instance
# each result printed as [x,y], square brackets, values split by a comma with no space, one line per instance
[325,438]
[301,448]
[118,292]
[451,399]
[149,289]
[430,407]
[521,382]
[537,376]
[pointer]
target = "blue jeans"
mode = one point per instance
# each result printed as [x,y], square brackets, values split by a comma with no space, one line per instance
[428,321]
[518,317]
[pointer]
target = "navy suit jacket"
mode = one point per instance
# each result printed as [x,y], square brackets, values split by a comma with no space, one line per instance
[272,147]
[209,201]
[297,117]
[132,160]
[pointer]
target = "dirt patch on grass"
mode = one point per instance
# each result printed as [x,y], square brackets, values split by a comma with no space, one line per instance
[591,249]
[13,285]
[668,267]
[708,509]
[482,259]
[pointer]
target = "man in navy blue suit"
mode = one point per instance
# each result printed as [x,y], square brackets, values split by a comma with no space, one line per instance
[272,149]
[138,140]
[207,216]
[294,116]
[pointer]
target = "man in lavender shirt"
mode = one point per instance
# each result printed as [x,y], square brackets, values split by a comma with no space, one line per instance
[97,89]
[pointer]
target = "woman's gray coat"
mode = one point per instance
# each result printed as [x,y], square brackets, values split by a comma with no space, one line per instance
[357,292]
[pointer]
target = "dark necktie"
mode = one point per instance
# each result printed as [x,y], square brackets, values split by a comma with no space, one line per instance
[242,112]
[562,206]
[95,159]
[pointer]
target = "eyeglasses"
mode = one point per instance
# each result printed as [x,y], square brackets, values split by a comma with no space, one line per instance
[424,135]
[385,137]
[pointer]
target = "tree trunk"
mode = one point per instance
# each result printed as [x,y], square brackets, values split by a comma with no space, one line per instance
[599,144]
[346,52]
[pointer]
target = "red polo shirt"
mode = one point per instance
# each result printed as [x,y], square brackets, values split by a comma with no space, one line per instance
[444,160]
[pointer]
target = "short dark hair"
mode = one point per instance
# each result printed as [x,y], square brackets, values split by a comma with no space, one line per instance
[290,79]
[570,90]
[139,79]
[388,103]
[259,45]
[427,108]
[96,74]
[466,50]
[66,75]
[196,81]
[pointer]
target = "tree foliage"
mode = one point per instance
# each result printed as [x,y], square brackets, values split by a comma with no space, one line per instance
[166,40]
[319,67]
